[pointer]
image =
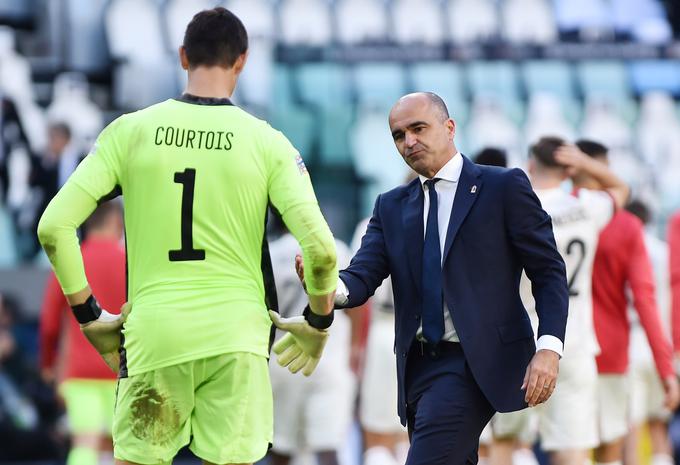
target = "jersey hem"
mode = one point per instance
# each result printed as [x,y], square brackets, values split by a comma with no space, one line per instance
[192,357]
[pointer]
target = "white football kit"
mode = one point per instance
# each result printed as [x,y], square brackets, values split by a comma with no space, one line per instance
[310,412]
[577,221]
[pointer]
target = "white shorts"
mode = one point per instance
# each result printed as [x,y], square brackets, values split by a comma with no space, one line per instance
[378,401]
[313,413]
[522,425]
[646,395]
[486,438]
[613,399]
[568,420]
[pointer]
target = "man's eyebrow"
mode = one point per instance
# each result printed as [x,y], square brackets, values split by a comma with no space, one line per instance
[412,125]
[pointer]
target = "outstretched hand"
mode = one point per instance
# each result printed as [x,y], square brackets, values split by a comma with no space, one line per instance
[301,348]
[300,270]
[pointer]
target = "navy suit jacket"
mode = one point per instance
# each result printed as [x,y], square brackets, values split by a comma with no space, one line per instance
[497,228]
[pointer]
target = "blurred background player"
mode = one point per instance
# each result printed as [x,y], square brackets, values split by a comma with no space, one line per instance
[647,395]
[567,433]
[674,252]
[86,384]
[622,262]
[311,414]
[385,439]
[197,174]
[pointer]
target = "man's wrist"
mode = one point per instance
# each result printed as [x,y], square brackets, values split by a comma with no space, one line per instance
[317,321]
[548,342]
[87,311]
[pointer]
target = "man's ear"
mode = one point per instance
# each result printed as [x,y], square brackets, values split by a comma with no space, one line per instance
[184,61]
[240,62]
[451,126]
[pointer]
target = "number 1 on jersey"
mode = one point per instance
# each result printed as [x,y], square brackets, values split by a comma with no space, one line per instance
[187,253]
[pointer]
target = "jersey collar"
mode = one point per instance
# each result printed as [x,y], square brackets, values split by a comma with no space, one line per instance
[195,100]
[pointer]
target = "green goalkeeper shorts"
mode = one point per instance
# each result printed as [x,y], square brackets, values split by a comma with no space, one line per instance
[221,405]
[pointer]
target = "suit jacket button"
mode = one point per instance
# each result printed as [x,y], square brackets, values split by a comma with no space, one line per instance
[403,354]
[417,317]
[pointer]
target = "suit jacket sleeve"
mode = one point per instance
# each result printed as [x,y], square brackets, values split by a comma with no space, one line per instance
[530,231]
[370,265]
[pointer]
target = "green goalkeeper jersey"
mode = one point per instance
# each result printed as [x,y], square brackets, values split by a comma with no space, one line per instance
[196,177]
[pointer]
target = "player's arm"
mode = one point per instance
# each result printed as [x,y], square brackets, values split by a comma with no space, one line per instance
[94,179]
[641,280]
[576,161]
[291,193]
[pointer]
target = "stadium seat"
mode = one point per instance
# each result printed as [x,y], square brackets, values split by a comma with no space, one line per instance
[591,19]
[255,84]
[659,75]
[444,79]
[71,104]
[8,251]
[305,22]
[472,21]
[499,81]
[257,16]
[643,20]
[325,85]
[608,81]
[299,125]
[361,21]
[282,87]
[553,77]
[375,156]
[85,19]
[658,131]
[409,18]
[528,21]
[489,126]
[545,117]
[177,14]
[379,84]
[130,23]
[334,136]
[159,83]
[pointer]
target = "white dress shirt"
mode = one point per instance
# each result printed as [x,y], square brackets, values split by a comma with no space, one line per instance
[446,187]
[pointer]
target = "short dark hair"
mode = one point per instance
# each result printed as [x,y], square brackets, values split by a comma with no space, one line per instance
[544,151]
[492,156]
[592,148]
[101,214]
[215,38]
[640,209]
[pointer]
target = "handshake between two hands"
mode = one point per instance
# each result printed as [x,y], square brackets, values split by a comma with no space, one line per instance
[301,347]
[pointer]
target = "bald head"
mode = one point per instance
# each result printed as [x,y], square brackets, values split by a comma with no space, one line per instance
[423,131]
[434,101]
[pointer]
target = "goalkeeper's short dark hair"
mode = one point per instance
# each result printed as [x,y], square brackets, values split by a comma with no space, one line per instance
[215,38]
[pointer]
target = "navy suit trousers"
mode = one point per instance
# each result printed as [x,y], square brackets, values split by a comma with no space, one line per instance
[446,410]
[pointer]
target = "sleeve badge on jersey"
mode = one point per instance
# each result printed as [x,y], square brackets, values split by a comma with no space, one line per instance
[300,164]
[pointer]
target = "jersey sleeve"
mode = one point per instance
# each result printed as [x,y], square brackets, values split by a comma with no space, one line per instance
[674,262]
[291,193]
[95,179]
[599,204]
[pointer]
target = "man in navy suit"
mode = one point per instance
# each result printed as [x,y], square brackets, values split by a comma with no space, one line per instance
[455,242]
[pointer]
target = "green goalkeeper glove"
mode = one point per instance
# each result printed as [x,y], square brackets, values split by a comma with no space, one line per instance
[102,329]
[301,347]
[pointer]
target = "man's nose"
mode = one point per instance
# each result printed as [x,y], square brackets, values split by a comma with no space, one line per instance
[410,140]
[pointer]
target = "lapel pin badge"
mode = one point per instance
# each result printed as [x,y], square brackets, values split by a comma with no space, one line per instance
[473,190]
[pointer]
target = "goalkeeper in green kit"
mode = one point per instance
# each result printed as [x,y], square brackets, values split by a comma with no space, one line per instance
[191,346]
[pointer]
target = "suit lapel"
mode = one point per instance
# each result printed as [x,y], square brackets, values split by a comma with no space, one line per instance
[412,217]
[467,191]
